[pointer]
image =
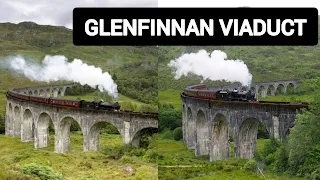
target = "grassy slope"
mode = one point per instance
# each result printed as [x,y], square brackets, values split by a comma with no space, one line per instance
[176,154]
[74,165]
[35,41]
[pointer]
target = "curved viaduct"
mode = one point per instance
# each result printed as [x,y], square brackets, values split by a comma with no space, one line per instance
[264,89]
[30,121]
[206,125]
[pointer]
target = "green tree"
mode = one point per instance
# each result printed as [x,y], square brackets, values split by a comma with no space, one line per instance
[177,134]
[168,117]
[304,140]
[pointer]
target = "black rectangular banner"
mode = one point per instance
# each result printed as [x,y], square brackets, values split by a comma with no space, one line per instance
[195,26]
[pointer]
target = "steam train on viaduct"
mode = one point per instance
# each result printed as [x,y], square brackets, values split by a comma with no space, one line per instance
[95,105]
[201,91]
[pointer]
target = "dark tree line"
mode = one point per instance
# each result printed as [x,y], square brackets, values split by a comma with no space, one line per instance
[79,89]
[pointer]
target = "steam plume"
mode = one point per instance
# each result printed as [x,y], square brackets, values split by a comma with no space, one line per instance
[214,67]
[54,68]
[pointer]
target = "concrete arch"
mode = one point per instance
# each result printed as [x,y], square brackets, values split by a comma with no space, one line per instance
[220,138]
[30,93]
[63,134]
[48,92]
[94,135]
[17,122]
[27,126]
[60,91]
[202,134]
[271,90]
[191,126]
[247,138]
[289,88]
[42,138]
[280,89]
[42,92]
[55,92]
[262,91]
[36,92]
[137,137]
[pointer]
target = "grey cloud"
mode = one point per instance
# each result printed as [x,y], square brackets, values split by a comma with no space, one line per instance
[58,12]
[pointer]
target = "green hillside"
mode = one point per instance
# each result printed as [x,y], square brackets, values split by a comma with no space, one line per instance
[265,63]
[134,67]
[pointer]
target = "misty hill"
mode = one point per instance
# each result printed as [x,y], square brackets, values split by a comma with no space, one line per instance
[266,63]
[135,68]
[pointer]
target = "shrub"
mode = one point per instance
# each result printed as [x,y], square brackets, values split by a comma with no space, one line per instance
[167,134]
[114,152]
[136,152]
[109,129]
[270,147]
[251,166]
[128,159]
[151,156]
[43,172]
[177,134]
[281,156]
[315,175]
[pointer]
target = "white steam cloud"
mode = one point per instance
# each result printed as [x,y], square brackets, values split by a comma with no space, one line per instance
[214,67]
[54,68]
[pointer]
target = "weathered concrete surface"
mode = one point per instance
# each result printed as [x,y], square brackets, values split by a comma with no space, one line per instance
[30,121]
[206,125]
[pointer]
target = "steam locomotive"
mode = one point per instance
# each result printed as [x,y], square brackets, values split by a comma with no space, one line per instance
[94,105]
[201,91]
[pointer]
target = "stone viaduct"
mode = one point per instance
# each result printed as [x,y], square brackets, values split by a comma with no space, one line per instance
[265,89]
[207,124]
[30,121]
[45,91]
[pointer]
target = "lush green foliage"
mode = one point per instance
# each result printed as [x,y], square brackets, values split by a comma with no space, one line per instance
[78,89]
[43,172]
[169,118]
[177,162]
[177,134]
[304,144]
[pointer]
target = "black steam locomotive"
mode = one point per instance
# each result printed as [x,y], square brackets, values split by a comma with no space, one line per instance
[236,95]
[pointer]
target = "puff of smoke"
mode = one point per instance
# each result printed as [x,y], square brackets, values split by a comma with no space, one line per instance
[54,68]
[214,67]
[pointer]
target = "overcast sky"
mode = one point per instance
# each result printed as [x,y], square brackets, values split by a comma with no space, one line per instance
[57,12]
[239,3]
